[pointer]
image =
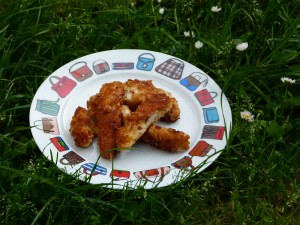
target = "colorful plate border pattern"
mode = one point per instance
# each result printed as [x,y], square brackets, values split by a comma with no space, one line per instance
[49,127]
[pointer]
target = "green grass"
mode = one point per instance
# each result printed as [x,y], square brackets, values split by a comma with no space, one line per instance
[256,180]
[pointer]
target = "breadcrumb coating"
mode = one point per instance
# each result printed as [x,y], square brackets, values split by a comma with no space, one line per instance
[81,127]
[120,114]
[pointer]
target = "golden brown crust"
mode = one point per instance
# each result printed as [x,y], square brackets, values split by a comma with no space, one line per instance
[160,137]
[167,139]
[105,108]
[147,113]
[122,113]
[137,91]
[174,113]
[81,127]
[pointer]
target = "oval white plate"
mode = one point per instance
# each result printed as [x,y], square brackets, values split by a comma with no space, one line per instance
[205,116]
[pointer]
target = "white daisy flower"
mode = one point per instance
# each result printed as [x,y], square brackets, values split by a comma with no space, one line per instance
[216,9]
[188,34]
[246,115]
[242,46]
[159,1]
[287,80]
[198,44]
[161,11]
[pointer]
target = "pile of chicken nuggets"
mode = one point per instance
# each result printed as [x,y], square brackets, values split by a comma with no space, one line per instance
[123,113]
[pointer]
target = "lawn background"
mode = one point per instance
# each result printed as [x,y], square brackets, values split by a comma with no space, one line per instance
[254,181]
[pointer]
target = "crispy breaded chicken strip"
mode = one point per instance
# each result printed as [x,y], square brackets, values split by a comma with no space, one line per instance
[167,139]
[148,112]
[118,127]
[81,127]
[93,108]
[174,113]
[137,91]
[163,138]
[105,108]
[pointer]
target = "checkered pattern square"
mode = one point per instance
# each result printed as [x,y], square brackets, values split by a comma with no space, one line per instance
[171,68]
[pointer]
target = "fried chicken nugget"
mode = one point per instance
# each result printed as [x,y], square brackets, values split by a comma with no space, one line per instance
[81,127]
[167,139]
[105,108]
[137,91]
[163,138]
[148,112]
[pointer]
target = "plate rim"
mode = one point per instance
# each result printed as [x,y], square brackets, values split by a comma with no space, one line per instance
[166,56]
